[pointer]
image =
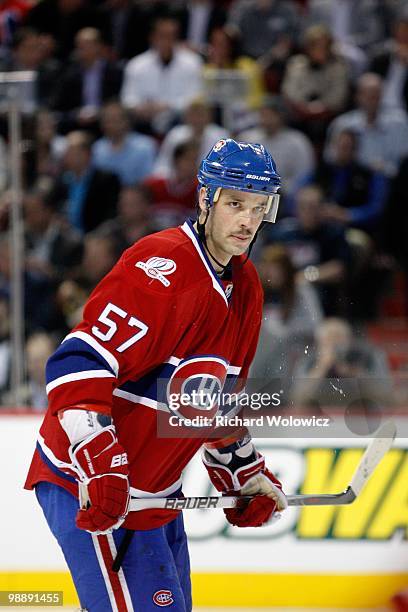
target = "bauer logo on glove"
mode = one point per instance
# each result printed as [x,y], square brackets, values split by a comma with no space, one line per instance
[102,467]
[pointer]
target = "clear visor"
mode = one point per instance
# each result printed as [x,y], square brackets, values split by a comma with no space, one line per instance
[272,208]
[272,205]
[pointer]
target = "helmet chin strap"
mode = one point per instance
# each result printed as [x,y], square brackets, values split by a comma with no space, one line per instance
[203,238]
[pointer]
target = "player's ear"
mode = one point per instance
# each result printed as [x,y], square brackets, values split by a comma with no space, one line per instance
[201,199]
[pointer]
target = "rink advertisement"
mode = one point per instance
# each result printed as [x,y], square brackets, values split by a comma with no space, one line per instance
[352,556]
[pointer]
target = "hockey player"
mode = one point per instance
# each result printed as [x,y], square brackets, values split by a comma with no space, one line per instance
[182,303]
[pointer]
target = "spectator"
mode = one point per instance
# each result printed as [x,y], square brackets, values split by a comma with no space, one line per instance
[98,258]
[53,248]
[316,83]
[274,62]
[4,265]
[353,23]
[198,19]
[5,348]
[87,196]
[395,226]
[391,63]
[382,134]
[61,20]
[292,312]
[292,150]
[224,53]
[127,154]
[29,54]
[49,145]
[174,197]
[355,199]
[39,305]
[318,249]
[128,24]
[89,82]
[354,194]
[12,14]
[197,126]
[262,23]
[39,347]
[3,170]
[338,370]
[160,83]
[292,306]
[133,220]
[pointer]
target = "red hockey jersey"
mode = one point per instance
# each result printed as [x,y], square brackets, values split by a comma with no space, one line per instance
[162,313]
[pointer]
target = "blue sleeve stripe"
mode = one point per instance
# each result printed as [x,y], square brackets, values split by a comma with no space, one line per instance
[98,348]
[151,386]
[74,356]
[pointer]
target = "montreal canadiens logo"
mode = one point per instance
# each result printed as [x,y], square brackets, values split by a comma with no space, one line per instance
[158,268]
[195,386]
[219,145]
[163,598]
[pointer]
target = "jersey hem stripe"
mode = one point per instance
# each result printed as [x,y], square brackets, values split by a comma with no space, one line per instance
[52,458]
[176,486]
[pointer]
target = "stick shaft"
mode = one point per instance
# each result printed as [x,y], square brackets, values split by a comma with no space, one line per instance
[212,503]
[375,451]
[122,550]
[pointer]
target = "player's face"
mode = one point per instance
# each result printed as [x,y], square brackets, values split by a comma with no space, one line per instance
[233,222]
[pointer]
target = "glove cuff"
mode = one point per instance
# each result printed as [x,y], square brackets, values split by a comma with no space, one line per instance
[226,480]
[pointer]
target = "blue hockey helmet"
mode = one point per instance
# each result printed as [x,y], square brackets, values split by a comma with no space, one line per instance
[242,166]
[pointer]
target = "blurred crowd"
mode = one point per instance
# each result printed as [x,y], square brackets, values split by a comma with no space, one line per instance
[128,97]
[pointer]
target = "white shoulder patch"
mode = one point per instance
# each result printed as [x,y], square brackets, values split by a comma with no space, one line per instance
[158,268]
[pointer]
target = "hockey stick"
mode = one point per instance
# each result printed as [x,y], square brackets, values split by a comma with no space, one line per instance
[372,456]
[122,550]
[374,452]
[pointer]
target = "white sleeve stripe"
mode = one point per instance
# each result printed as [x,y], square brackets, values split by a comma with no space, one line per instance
[173,361]
[234,369]
[109,358]
[62,380]
[206,359]
[138,399]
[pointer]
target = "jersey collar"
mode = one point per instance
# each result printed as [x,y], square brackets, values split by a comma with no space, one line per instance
[188,228]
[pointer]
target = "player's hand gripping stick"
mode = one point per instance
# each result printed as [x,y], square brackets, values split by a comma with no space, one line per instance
[102,466]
